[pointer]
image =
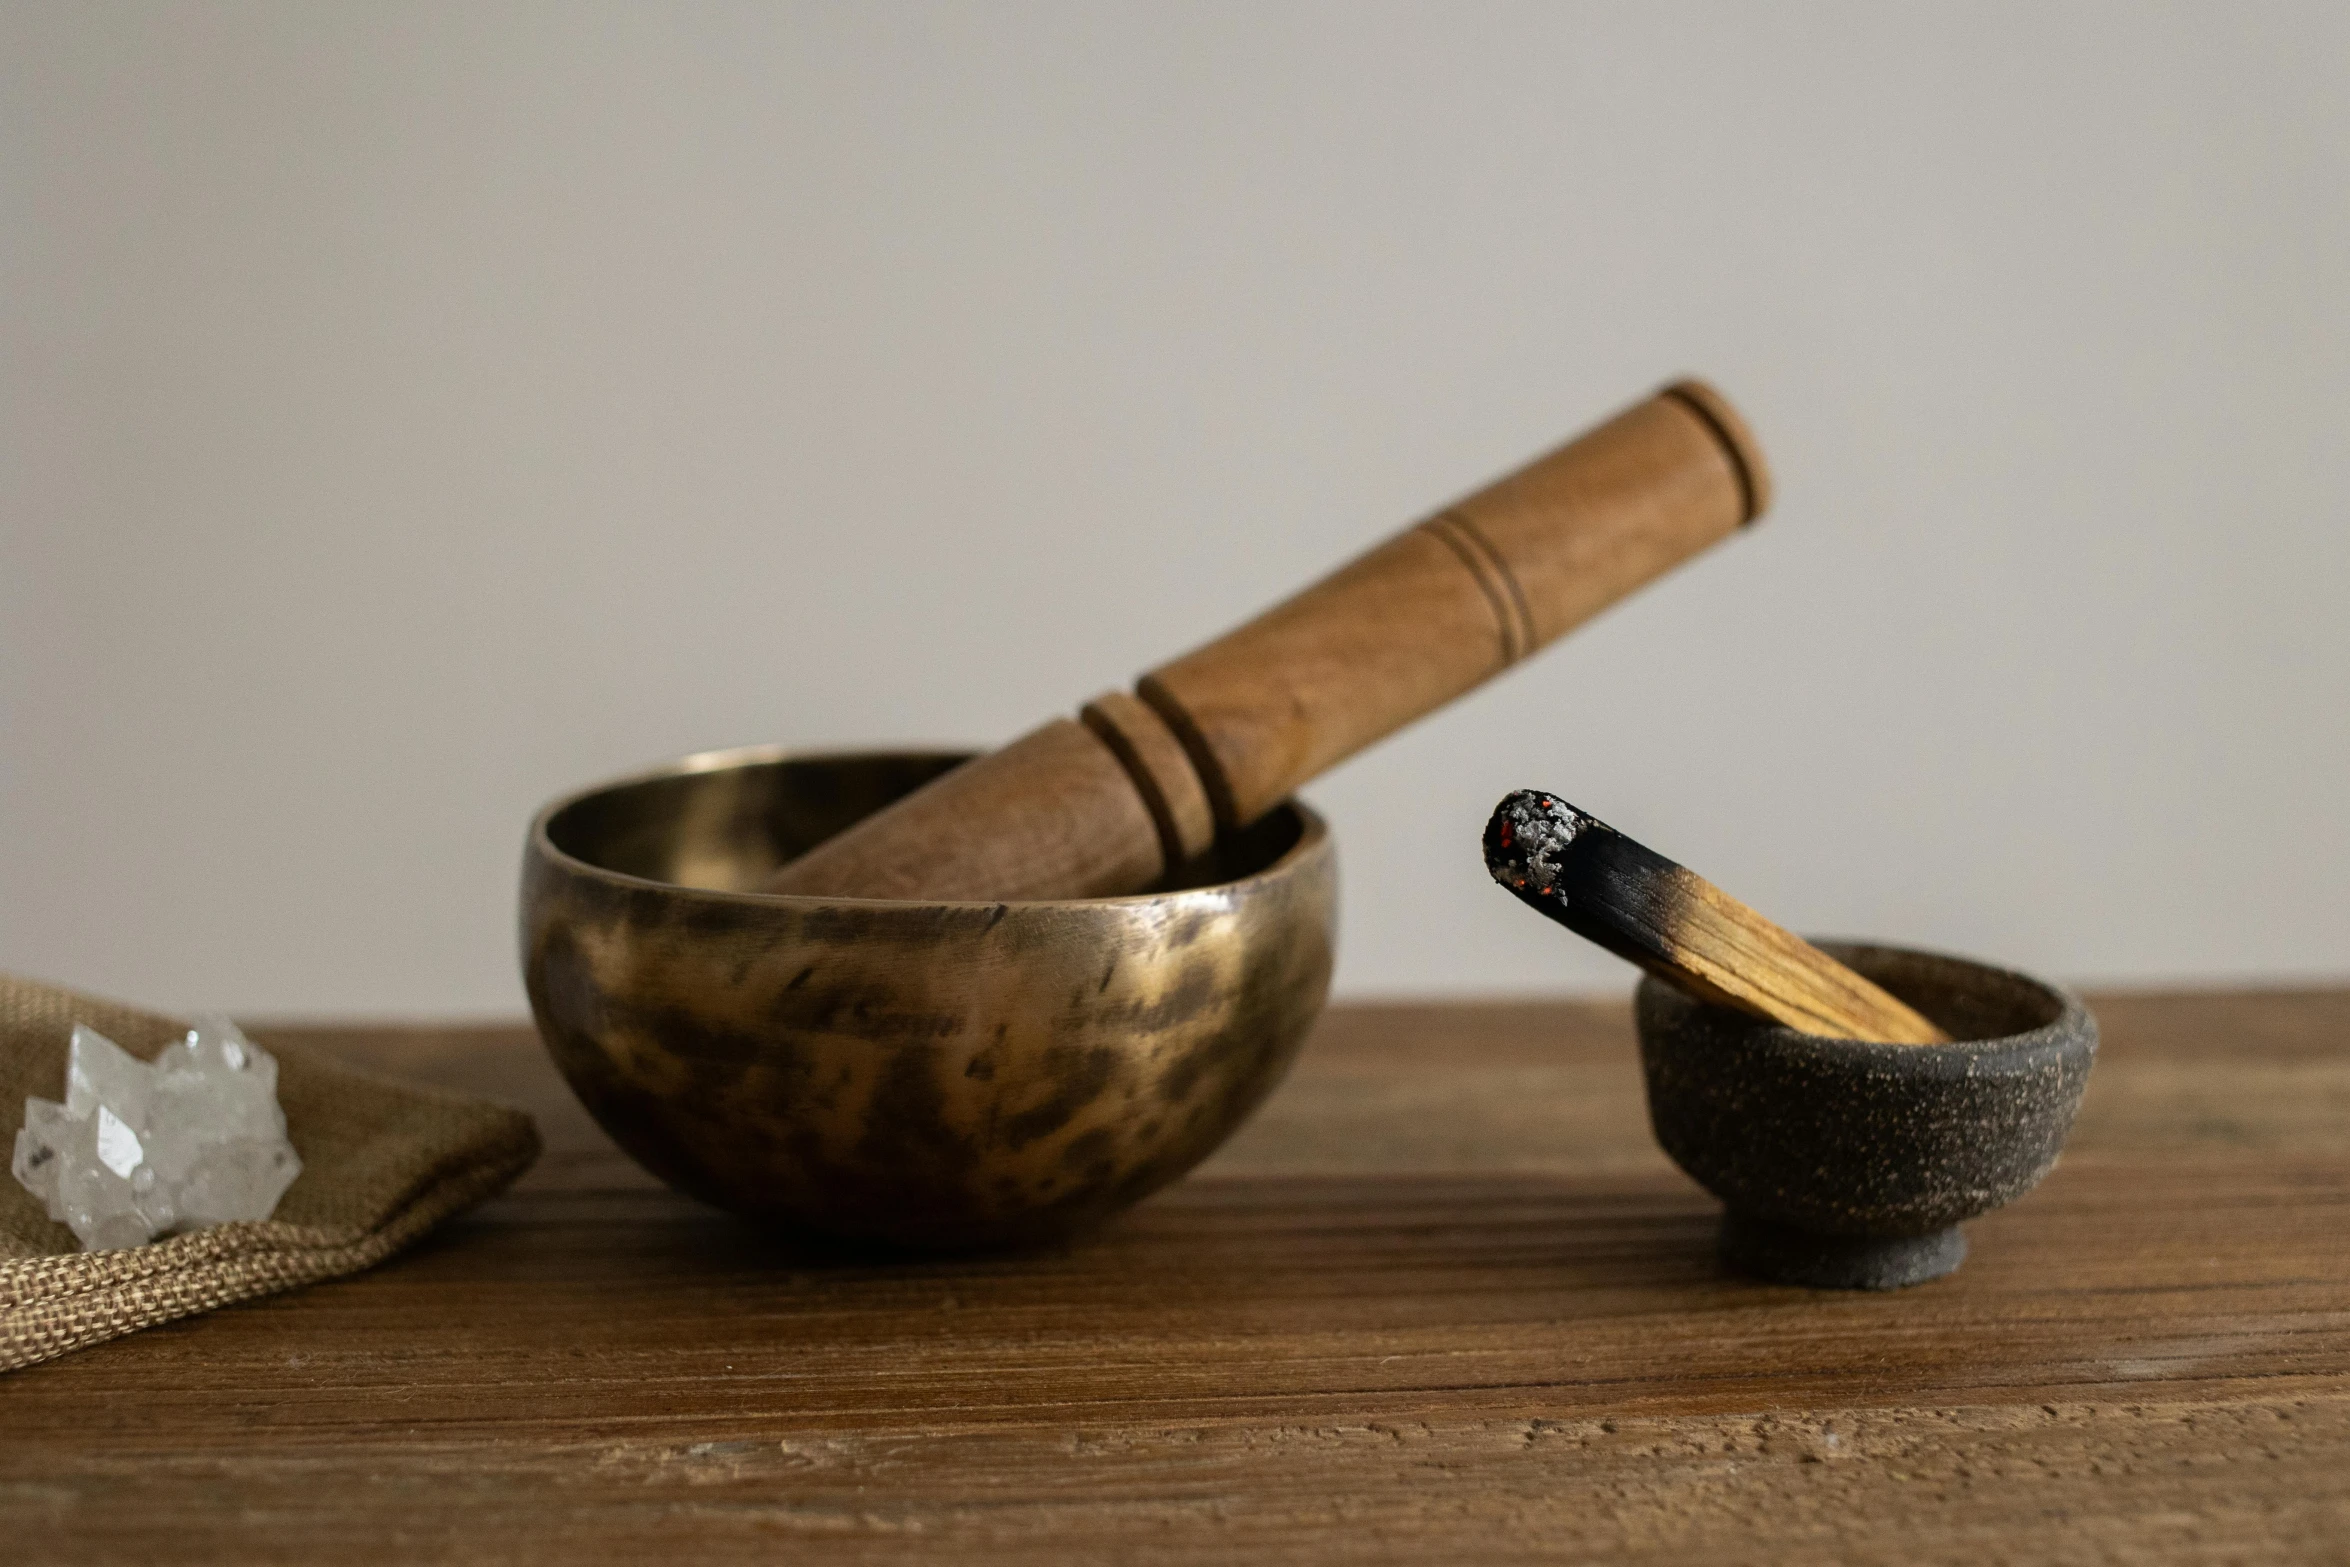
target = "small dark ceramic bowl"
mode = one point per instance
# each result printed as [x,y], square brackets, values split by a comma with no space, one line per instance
[935,1076]
[1845,1165]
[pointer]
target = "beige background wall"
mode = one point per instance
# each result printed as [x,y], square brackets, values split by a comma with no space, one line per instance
[408,412]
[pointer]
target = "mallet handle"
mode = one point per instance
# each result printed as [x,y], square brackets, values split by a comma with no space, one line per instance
[1128,796]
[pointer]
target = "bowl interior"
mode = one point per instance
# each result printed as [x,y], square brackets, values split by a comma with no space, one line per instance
[1973,1003]
[725,821]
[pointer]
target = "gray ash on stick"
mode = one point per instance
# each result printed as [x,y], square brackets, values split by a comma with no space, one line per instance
[1526,842]
[1574,868]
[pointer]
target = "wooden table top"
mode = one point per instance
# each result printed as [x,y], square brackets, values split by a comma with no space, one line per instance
[1443,1298]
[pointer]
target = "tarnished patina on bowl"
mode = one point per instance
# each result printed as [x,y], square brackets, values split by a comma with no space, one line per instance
[928,1075]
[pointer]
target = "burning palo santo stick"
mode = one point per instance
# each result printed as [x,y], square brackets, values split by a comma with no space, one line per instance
[1682,928]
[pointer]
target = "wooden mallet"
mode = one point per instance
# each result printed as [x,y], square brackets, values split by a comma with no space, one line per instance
[1682,928]
[1133,792]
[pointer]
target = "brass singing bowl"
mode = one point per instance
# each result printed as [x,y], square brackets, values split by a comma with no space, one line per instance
[940,1076]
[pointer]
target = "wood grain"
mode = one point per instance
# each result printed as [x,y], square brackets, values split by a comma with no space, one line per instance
[1442,1299]
[1724,950]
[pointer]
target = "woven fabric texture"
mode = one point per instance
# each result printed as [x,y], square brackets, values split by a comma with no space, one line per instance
[381,1164]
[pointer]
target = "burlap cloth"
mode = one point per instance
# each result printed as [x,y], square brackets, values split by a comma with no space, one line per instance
[381,1164]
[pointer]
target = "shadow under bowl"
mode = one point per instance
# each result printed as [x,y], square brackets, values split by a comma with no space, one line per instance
[1849,1165]
[931,1076]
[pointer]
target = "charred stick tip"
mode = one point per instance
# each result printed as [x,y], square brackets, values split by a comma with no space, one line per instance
[1526,839]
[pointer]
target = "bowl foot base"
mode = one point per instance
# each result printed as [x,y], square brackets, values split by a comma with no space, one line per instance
[1786,1255]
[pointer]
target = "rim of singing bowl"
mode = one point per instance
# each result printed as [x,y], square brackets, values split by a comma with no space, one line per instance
[1313,831]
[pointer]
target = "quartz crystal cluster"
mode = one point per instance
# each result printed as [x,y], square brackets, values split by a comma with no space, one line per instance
[140,1150]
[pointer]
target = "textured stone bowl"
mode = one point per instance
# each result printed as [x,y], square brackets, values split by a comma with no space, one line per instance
[937,1076]
[1849,1165]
